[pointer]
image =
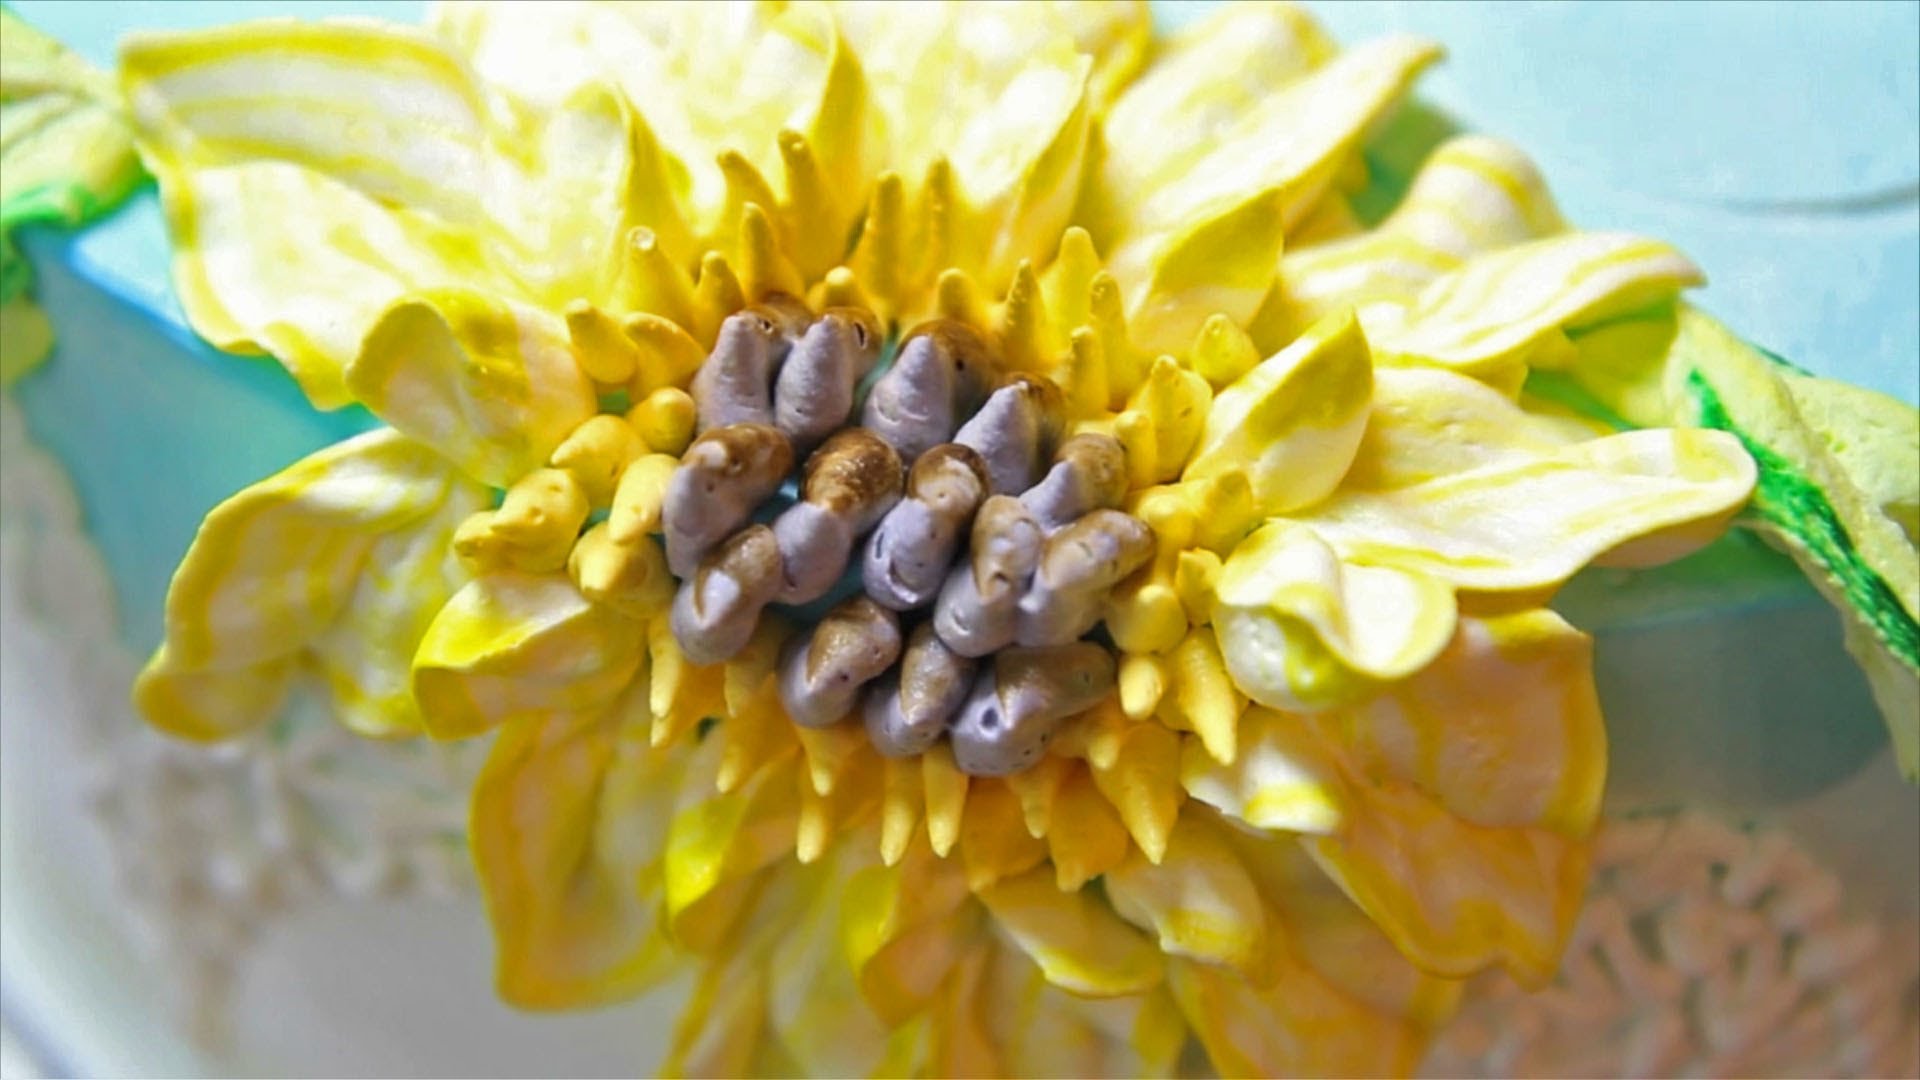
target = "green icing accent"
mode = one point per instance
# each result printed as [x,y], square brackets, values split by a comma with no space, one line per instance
[1794,505]
[61,202]
[1562,389]
[68,157]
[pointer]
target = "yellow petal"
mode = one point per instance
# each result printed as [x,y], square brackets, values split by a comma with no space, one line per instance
[1453,896]
[1201,81]
[1285,776]
[1293,423]
[491,384]
[1200,901]
[566,845]
[280,572]
[1486,316]
[714,840]
[1001,138]
[366,657]
[1300,628]
[513,645]
[1473,194]
[1300,1025]
[1429,422]
[1530,522]
[706,78]
[1503,728]
[1256,175]
[1075,938]
[1328,933]
[405,171]
[899,932]
[254,278]
[812,995]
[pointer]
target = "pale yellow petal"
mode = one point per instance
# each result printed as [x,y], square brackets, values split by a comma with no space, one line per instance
[1474,194]
[1285,776]
[1302,628]
[1484,318]
[512,645]
[1251,178]
[1530,522]
[276,568]
[1456,897]
[1503,728]
[566,843]
[1199,901]
[491,384]
[1075,938]
[1293,423]
[1299,1025]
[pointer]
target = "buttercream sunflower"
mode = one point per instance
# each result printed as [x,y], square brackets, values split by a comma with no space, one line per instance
[955,528]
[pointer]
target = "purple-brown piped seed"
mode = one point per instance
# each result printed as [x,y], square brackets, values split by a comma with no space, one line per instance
[907,711]
[1012,431]
[907,557]
[1089,473]
[939,378]
[813,393]
[1016,705]
[978,608]
[851,482]
[821,676]
[715,611]
[1078,566]
[735,384]
[723,476]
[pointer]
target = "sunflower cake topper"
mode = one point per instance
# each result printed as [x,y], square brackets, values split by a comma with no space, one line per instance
[956,530]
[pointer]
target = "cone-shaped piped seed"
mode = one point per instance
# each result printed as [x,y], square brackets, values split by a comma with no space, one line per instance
[735,385]
[1089,473]
[1015,705]
[790,318]
[907,711]
[850,484]
[1011,432]
[1079,565]
[978,608]
[938,379]
[821,676]
[725,474]
[716,609]
[908,555]
[813,394]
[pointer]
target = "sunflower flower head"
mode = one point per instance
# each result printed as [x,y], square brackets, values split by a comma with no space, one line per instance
[954,526]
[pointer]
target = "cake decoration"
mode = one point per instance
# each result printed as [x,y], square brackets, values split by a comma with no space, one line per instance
[1234,658]
[66,156]
[1839,475]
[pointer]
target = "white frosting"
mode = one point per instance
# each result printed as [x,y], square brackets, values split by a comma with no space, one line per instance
[208,843]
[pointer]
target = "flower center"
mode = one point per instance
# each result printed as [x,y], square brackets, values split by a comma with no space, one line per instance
[961,549]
